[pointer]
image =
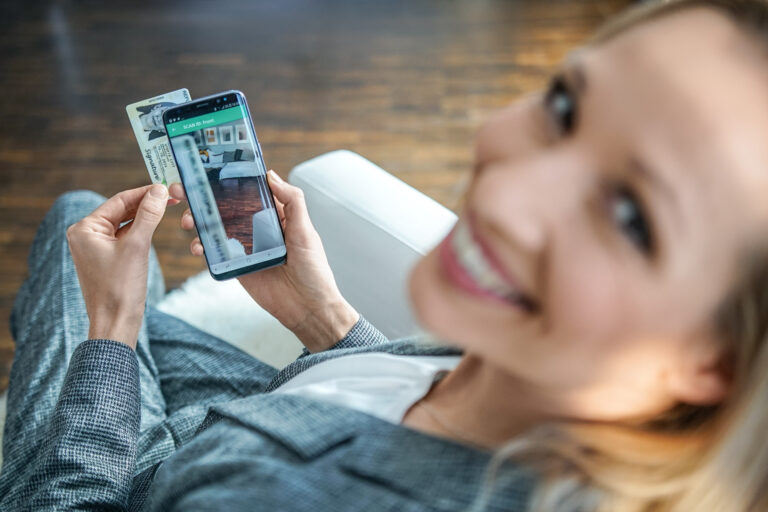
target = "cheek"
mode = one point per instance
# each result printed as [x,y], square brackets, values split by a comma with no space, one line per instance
[605,314]
[584,334]
[588,330]
[584,296]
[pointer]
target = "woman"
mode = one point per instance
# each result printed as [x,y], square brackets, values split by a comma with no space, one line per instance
[606,287]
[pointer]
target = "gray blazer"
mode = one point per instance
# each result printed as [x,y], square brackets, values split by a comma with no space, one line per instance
[263,452]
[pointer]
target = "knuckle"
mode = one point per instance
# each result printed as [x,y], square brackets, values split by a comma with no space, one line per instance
[120,197]
[72,231]
[153,211]
[153,215]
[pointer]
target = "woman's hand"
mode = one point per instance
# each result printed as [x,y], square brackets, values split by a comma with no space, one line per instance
[112,261]
[302,294]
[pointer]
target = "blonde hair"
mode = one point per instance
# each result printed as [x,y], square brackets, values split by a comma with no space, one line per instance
[693,458]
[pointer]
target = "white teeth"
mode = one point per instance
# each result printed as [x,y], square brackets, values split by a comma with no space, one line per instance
[470,255]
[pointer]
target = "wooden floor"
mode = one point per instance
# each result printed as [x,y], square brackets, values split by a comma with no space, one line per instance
[404,83]
[237,200]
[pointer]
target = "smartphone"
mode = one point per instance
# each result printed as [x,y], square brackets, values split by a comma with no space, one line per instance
[223,173]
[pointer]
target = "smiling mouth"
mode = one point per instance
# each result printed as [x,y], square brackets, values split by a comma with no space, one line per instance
[467,266]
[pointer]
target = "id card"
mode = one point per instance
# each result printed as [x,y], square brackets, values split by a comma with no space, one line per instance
[146,118]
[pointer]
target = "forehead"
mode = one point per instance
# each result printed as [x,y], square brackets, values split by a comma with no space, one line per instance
[689,90]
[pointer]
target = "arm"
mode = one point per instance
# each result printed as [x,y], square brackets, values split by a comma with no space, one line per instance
[88,458]
[328,326]
[362,334]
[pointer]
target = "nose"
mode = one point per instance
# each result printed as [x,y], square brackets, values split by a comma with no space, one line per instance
[526,201]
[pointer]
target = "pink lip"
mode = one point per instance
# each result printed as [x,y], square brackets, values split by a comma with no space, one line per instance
[456,273]
[489,255]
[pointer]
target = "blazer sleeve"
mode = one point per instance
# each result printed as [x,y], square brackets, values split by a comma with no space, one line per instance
[88,457]
[362,334]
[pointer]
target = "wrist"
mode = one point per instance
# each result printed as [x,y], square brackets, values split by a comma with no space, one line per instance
[322,328]
[122,330]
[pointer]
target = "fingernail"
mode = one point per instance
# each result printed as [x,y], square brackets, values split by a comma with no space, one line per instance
[275,175]
[158,191]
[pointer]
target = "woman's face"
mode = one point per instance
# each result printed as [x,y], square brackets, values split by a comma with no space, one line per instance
[605,218]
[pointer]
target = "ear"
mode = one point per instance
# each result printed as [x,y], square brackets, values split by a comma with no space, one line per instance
[701,376]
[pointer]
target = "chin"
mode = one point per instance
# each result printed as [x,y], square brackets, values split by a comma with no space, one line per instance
[419,293]
[452,316]
[434,303]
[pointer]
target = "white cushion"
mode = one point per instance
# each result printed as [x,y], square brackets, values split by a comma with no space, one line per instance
[266,230]
[240,170]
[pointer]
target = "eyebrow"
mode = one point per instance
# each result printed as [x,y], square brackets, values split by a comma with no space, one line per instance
[575,70]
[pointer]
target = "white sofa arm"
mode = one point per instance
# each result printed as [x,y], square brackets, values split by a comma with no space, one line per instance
[374,228]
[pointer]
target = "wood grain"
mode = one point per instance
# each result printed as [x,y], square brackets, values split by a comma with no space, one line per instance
[404,83]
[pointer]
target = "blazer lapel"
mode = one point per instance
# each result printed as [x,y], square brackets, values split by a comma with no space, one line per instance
[306,426]
[443,473]
[446,474]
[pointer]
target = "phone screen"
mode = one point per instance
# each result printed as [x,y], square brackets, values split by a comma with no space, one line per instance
[224,176]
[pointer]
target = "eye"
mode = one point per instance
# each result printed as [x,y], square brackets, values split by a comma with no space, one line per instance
[629,216]
[561,104]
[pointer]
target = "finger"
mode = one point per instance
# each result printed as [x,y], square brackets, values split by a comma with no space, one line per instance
[279,206]
[294,206]
[121,207]
[196,248]
[187,221]
[280,211]
[177,191]
[150,213]
[172,201]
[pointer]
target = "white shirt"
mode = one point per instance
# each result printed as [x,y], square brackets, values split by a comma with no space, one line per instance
[383,385]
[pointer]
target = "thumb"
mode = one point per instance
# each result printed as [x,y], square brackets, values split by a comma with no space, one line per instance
[150,212]
[292,197]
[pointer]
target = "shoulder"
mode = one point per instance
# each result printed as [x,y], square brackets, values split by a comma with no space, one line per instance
[272,452]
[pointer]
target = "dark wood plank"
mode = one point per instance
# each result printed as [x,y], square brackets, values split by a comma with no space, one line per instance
[238,199]
[404,83]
